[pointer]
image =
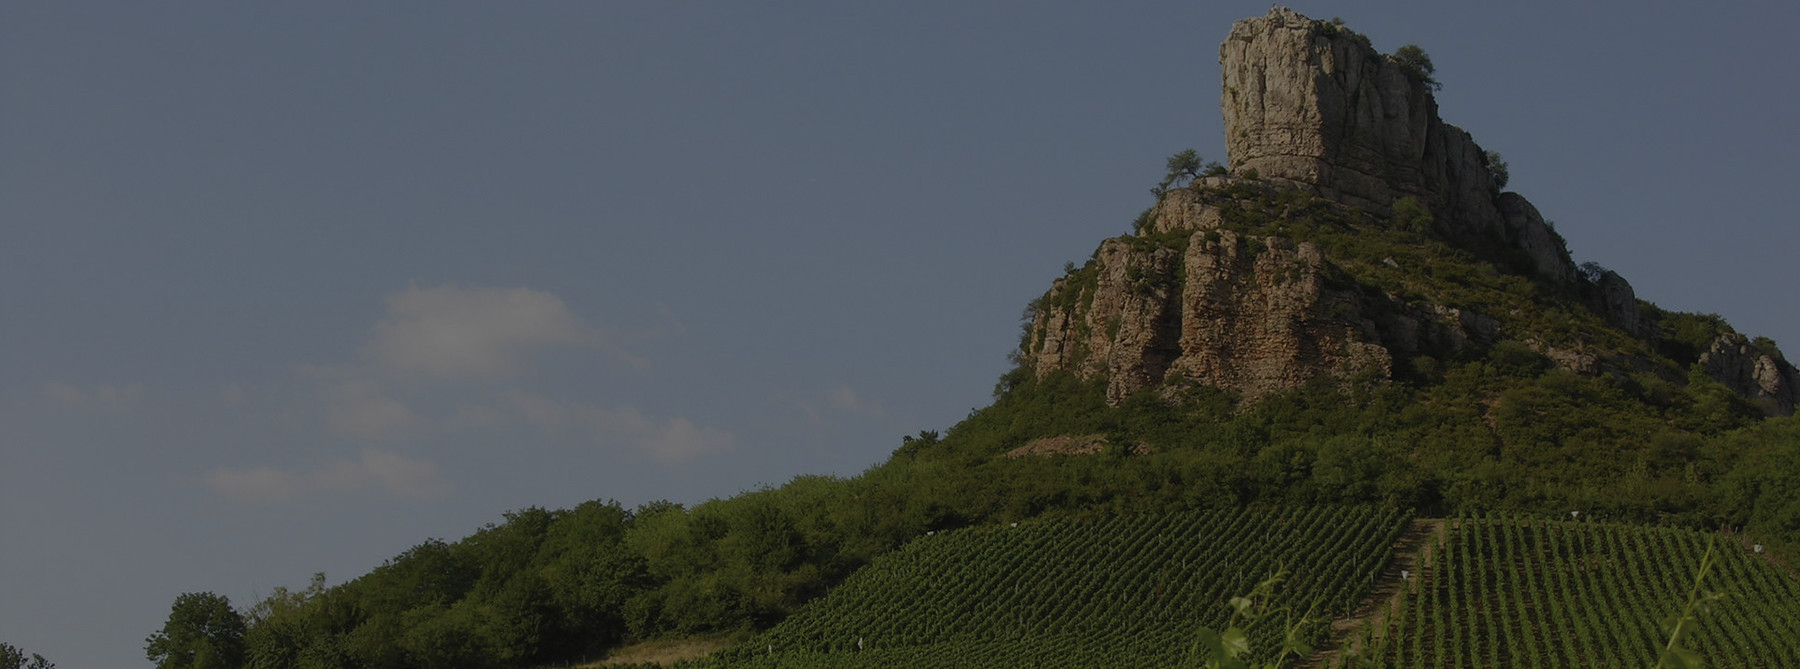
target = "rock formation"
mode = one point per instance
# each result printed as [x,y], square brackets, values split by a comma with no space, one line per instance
[1314,118]
[1251,315]
[1311,103]
[1758,373]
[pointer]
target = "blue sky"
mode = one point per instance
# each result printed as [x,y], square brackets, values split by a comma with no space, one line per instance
[291,288]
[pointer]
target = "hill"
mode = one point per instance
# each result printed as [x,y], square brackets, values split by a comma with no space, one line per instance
[1351,312]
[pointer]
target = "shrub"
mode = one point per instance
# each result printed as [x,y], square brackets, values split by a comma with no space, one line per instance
[1417,65]
[1496,169]
[1411,215]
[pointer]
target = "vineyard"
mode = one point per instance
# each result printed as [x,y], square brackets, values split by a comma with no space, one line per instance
[1533,593]
[1114,592]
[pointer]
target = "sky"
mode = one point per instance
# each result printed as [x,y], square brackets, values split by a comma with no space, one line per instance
[291,287]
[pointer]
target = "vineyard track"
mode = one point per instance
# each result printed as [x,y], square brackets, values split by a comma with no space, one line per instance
[1414,548]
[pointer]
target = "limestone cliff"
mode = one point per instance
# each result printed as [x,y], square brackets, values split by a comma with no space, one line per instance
[1298,265]
[1309,102]
[1249,314]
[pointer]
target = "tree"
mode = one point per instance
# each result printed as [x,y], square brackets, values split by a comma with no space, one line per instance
[203,632]
[1184,167]
[1417,65]
[13,657]
[1496,169]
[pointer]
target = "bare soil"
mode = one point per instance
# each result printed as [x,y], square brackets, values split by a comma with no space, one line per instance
[663,652]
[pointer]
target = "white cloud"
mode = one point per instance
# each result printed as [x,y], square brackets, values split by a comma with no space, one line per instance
[671,441]
[117,396]
[255,484]
[63,393]
[680,440]
[362,408]
[841,399]
[105,395]
[449,332]
[470,415]
[385,471]
[388,471]
[844,398]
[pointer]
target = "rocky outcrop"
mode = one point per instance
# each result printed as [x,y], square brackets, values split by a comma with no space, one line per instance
[1214,291]
[1257,318]
[1614,299]
[1248,314]
[1525,229]
[1122,322]
[1757,372]
[1311,103]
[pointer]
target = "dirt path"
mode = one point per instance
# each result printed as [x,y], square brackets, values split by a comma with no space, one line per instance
[665,652]
[1413,548]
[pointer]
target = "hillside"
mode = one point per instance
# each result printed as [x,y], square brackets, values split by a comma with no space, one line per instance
[1351,312]
[1121,591]
[1519,592]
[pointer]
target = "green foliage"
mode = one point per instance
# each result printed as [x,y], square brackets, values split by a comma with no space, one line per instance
[1680,625]
[202,632]
[13,657]
[1417,65]
[1524,591]
[1684,336]
[1182,168]
[1411,215]
[1336,27]
[1498,174]
[1758,491]
[1231,648]
[1113,591]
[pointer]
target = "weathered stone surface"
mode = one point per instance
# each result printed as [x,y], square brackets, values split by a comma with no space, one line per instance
[1307,102]
[1574,360]
[1251,315]
[1760,374]
[1526,230]
[1124,324]
[1617,302]
[1257,318]
[1186,209]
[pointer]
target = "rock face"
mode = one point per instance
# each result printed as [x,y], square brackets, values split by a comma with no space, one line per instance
[1311,103]
[1763,376]
[1212,292]
[1247,314]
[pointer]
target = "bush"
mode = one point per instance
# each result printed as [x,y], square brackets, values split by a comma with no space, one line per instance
[1496,169]
[1411,215]
[1417,65]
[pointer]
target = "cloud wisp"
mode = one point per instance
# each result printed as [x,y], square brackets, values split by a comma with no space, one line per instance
[671,441]
[362,408]
[378,470]
[841,399]
[432,353]
[450,332]
[104,395]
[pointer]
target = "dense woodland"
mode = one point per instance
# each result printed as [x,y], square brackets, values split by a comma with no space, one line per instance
[1490,429]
